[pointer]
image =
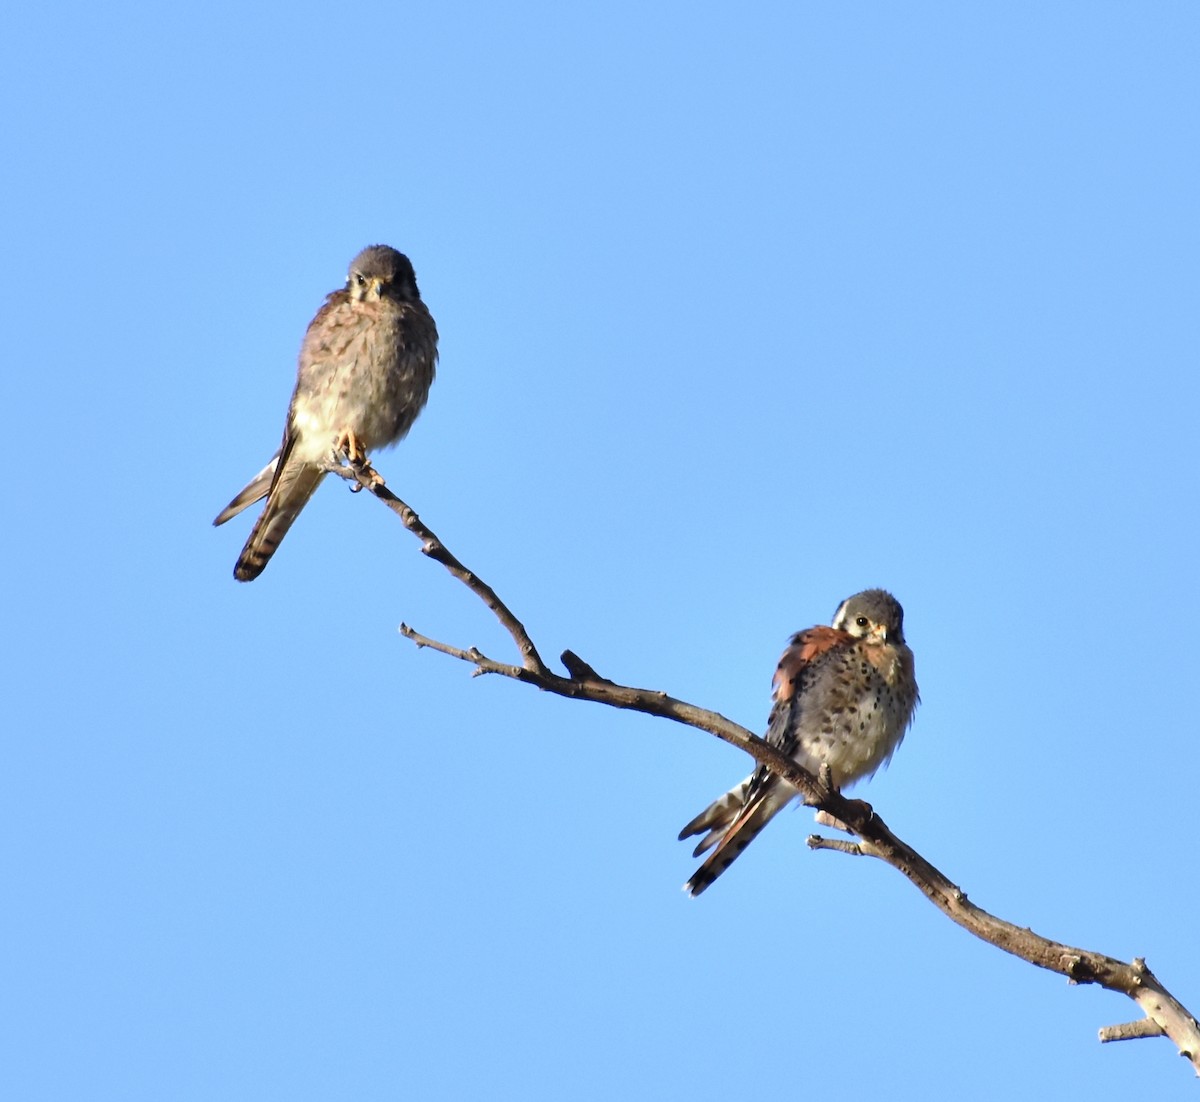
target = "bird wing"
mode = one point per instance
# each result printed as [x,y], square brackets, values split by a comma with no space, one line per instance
[735,819]
[798,669]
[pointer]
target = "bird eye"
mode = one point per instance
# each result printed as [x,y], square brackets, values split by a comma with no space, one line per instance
[862,621]
[360,279]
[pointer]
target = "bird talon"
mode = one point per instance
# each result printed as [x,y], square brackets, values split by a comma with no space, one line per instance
[825,787]
[351,447]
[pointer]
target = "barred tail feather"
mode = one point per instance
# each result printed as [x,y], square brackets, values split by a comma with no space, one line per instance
[717,817]
[748,827]
[294,485]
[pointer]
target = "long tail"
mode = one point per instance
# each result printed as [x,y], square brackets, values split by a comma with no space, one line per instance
[294,484]
[732,825]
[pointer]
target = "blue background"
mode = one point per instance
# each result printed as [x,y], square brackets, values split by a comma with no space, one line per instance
[743,309]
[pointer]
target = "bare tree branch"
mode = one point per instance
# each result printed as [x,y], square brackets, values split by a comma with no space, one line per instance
[1164,1014]
[367,479]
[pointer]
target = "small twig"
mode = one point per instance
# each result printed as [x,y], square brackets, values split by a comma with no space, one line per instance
[817,841]
[473,655]
[825,819]
[579,669]
[1130,1031]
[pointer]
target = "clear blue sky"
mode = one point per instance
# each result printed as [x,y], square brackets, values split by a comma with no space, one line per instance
[742,310]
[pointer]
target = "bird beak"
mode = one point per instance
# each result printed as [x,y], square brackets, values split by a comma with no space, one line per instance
[879,632]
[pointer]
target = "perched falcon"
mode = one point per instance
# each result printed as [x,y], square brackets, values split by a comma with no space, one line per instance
[366,366]
[844,696]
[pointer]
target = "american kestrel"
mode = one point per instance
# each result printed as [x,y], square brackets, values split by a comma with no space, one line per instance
[366,366]
[843,697]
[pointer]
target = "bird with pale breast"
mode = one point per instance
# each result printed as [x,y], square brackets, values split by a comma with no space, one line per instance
[366,365]
[844,697]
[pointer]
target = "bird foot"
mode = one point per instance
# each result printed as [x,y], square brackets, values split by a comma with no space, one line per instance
[825,786]
[825,789]
[349,445]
